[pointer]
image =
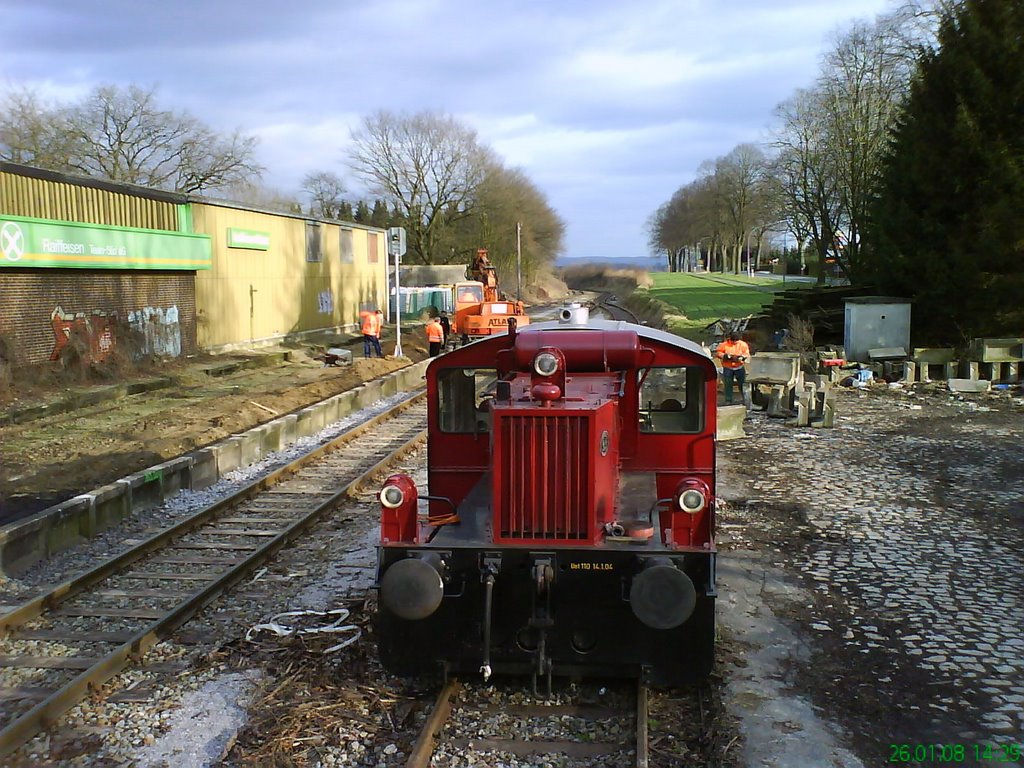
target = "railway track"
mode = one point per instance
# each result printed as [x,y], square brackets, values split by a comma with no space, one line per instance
[608,304]
[464,719]
[96,624]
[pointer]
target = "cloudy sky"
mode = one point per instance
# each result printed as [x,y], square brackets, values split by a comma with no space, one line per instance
[608,106]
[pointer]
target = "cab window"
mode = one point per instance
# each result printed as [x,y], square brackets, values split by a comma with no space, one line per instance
[469,293]
[464,399]
[672,400]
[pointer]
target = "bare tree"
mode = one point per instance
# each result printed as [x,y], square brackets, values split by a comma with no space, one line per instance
[30,131]
[805,174]
[507,198]
[122,134]
[427,165]
[326,193]
[861,88]
[740,176]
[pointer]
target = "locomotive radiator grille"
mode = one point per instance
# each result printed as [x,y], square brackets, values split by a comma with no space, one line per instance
[545,469]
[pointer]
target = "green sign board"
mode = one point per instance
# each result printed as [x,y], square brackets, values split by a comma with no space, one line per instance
[28,242]
[248,238]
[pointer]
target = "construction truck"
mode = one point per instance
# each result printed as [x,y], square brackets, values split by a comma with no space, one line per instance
[480,309]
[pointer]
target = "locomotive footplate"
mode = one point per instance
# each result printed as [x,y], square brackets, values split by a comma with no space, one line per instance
[630,612]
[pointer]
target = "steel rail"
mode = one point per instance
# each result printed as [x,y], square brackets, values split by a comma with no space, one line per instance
[430,734]
[48,712]
[642,754]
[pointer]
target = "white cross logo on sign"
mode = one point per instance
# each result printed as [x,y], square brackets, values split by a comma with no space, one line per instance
[12,242]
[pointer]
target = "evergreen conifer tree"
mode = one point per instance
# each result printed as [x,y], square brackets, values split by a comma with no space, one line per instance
[947,219]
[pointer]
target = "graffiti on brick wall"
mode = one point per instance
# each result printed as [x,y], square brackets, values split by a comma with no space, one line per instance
[96,331]
[158,331]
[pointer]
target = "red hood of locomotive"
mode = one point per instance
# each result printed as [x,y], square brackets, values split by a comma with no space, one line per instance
[555,468]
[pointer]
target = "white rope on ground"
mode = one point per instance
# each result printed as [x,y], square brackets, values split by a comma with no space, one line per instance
[285,630]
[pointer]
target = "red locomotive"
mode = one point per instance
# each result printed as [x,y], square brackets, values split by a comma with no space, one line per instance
[571,510]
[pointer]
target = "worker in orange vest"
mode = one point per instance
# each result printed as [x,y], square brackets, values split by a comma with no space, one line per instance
[435,336]
[372,323]
[734,353]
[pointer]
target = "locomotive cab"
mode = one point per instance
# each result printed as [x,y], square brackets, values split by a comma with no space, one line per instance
[570,520]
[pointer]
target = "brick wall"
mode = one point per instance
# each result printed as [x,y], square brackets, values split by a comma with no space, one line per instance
[28,298]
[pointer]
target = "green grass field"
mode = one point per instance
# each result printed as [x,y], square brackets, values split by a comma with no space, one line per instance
[704,299]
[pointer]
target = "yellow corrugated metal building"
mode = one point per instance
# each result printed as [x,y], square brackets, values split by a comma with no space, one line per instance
[278,276]
[272,275]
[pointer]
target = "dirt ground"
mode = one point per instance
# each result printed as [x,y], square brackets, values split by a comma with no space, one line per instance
[47,460]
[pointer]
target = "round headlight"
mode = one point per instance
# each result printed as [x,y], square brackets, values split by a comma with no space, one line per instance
[391,496]
[545,364]
[691,501]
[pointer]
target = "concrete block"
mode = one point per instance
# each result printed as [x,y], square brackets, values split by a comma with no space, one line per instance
[346,405]
[774,368]
[110,505]
[780,402]
[887,353]
[250,444]
[372,392]
[24,543]
[969,385]
[997,350]
[175,475]
[934,355]
[1003,372]
[204,469]
[729,424]
[289,428]
[147,487]
[65,524]
[909,372]
[330,408]
[310,421]
[828,417]
[228,454]
[271,436]
[968,370]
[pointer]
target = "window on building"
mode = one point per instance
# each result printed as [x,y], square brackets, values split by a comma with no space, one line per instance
[314,253]
[346,247]
[371,248]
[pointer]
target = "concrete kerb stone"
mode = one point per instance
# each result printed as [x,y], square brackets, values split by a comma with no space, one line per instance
[250,446]
[310,421]
[729,424]
[23,544]
[228,455]
[26,542]
[110,504]
[204,469]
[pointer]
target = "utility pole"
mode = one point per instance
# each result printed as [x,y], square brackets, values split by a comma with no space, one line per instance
[396,248]
[519,261]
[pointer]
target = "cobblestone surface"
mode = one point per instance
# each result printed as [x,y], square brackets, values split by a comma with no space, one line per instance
[906,525]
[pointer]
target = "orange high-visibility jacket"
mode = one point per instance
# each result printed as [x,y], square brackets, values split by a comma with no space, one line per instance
[371,323]
[434,331]
[734,349]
